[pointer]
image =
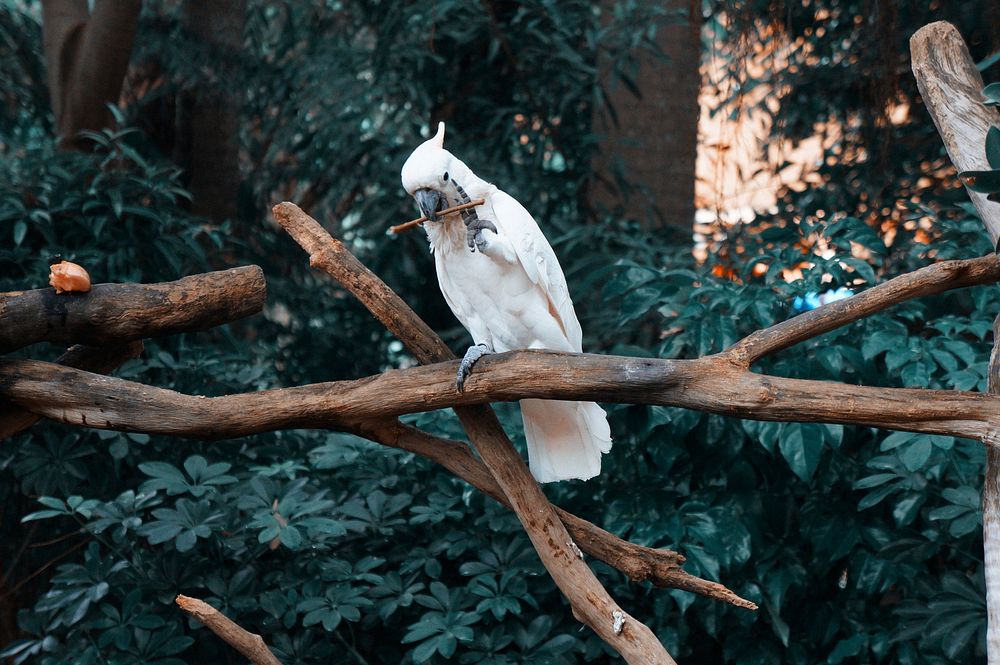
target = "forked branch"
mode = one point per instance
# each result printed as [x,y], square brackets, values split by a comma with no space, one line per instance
[591,603]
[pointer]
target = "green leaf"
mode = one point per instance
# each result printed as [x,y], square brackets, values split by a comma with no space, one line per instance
[801,445]
[874,481]
[20,229]
[879,342]
[947,512]
[991,94]
[917,453]
[896,439]
[876,497]
[985,182]
[993,147]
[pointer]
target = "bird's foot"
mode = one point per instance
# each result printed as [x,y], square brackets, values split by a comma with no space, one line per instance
[465,367]
[474,227]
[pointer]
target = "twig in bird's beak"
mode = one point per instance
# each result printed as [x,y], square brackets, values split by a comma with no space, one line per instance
[399,228]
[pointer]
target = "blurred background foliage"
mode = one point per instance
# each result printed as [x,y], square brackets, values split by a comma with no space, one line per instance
[859,545]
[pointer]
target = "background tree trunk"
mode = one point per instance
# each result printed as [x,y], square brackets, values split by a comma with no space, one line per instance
[87,55]
[653,145]
[211,157]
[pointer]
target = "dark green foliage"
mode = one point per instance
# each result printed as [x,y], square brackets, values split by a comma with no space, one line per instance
[859,545]
[987,182]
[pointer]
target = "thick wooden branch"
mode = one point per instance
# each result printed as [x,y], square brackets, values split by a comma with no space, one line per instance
[250,645]
[116,313]
[101,360]
[930,280]
[591,603]
[951,88]
[712,384]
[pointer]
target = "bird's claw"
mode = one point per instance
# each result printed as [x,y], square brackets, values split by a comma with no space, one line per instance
[474,232]
[465,367]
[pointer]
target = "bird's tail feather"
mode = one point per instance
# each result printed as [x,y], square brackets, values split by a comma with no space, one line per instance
[565,439]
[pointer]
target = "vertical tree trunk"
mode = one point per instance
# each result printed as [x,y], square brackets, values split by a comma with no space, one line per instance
[87,55]
[951,88]
[991,520]
[654,144]
[214,113]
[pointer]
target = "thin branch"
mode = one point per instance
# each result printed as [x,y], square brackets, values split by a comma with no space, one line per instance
[931,280]
[102,360]
[991,518]
[406,226]
[591,603]
[115,313]
[251,645]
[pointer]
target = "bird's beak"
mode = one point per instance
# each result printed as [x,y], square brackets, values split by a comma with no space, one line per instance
[429,201]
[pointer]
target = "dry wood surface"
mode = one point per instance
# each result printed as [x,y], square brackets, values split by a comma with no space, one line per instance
[250,645]
[591,603]
[951,88]
[115,313]
[99,359]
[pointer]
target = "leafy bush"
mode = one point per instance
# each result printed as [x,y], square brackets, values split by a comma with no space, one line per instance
[859,545]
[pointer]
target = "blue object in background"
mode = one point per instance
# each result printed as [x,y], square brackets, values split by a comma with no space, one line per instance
[813,300]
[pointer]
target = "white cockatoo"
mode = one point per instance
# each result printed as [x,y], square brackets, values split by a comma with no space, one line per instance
[502,280]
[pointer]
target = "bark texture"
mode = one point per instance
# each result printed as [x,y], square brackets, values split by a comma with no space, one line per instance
[111,313]
[951,88]
[213,162]
[101,360]
[250,645]
[591,603]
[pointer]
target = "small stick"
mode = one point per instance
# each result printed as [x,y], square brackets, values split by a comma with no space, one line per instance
[399,228]
[250,645]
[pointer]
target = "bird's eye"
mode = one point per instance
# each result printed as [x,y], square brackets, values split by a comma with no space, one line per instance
[445,176]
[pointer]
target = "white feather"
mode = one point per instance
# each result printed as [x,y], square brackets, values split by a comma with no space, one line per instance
[511,295]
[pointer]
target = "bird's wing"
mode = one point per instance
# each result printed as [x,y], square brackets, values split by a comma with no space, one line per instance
[538,260]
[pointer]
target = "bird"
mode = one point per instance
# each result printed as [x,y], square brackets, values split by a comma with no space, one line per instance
[502,280]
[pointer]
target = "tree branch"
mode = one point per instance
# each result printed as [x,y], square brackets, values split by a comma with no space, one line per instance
[711,384]
[102,360]
[951,88]
[641,564]
[114,313]
[250,645]
[930,280]
[591,603]
[660,567]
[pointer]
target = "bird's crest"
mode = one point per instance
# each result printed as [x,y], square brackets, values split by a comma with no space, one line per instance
[427,164]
